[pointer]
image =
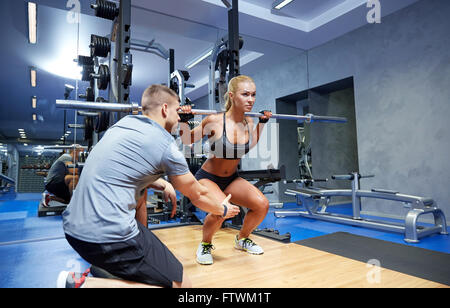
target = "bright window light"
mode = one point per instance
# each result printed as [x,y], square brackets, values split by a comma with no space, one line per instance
[34,102]
[34,117]
[64,67]
[32,22]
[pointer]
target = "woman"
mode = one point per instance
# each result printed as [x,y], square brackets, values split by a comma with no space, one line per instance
[231,135]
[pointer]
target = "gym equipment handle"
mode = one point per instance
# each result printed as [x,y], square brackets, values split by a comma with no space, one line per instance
[304,181]
[350,176]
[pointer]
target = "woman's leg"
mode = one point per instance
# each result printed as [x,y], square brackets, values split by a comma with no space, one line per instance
[212,223]
[245,194]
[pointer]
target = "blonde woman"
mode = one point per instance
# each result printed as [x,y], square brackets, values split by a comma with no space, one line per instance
[231,135]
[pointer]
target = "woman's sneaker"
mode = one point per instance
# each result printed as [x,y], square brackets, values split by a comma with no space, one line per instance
[204,253]
[247,245]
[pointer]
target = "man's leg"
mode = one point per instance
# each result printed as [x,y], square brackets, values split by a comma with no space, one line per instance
[141,210]
[71,182]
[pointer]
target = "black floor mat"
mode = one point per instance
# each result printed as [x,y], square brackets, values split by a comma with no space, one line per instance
[423,263]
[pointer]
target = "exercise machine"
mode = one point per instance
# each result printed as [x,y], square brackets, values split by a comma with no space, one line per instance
[316,200]
[9,183]
[225,58]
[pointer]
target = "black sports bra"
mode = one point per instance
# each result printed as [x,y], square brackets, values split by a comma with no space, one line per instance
[222,148]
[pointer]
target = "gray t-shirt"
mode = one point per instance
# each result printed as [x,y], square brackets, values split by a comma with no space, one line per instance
[133,153]
[58,170]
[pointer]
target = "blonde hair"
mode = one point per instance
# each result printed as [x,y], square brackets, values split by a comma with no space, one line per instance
[233,86]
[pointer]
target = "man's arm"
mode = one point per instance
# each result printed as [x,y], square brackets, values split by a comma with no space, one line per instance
[159,184]
[199,195]
[168,192]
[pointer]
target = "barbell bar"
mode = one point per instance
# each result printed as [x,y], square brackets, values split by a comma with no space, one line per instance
[134,108]
[65,147]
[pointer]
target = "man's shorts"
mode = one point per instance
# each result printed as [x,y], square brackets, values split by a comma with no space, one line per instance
[59,189]
[144,258]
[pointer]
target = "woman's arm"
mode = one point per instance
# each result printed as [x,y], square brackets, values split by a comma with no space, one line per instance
[206,128]
[258,128]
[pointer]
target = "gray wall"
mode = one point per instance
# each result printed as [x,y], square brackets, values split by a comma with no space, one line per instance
[334,148]
[272,83]
[401,71]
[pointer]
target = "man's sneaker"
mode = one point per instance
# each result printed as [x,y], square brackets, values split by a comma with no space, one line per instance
[247,245]
[204,253]
[71,279]
[45,199]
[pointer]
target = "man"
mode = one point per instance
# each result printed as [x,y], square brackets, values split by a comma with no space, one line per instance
[100,220]
[60,180]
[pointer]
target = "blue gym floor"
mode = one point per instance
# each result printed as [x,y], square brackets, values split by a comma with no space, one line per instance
[33,249]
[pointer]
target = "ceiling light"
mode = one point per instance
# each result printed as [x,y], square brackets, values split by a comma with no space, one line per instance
[279,4]
[25,144]
[34,117]
[32,22]
[21,130]
[33,77]
[34,102]
[199,59]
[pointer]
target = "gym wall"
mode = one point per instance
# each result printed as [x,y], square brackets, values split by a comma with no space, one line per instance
[401,75]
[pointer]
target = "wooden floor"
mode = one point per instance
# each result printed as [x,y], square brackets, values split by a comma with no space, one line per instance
[281,266]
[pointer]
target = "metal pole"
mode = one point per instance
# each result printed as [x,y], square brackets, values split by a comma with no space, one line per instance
[233,40]
[64,147]
[126,108]
[309,118]
[135,108]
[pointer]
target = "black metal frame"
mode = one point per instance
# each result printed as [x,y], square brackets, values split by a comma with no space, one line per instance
[123,55]
[233,40]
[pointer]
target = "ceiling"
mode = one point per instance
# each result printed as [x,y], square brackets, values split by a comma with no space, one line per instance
[190,27]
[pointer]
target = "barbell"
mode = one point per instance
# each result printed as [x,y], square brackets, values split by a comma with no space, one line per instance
[65,147]
[134,108]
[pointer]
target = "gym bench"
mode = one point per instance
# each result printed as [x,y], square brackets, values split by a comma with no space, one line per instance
[316,201]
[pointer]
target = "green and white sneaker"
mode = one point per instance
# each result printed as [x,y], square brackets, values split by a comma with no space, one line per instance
[247,245]
[204,253]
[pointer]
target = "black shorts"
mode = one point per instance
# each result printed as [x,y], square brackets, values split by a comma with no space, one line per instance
[144,258]
[59,189]
[222,182]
